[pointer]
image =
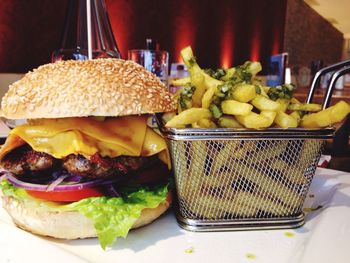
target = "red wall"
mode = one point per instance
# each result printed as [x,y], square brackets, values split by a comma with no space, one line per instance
[29,31]
[220,32]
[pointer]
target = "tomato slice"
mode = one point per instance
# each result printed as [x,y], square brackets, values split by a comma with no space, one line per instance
[66,196]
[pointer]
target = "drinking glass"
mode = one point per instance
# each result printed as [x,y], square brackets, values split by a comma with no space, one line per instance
[155,61]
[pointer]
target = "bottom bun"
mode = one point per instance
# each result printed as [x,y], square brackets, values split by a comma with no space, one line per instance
[67,225]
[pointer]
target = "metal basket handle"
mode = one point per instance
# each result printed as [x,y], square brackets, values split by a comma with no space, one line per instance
[318,76]
[336,75]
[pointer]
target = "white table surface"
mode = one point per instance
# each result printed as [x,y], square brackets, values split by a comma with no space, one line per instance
[325,237]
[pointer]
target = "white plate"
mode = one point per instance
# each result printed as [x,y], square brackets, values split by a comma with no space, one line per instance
[14,123]
[324,238]
[4,129]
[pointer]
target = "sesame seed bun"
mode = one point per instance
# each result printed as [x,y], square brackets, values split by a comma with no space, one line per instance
[99,87]
[66,225]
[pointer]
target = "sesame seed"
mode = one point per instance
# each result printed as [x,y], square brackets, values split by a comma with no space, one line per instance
[105,87]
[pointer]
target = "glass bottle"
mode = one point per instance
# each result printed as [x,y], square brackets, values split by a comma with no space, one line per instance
[87,33]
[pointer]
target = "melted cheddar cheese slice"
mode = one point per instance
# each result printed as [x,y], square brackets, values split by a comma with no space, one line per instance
[111,137]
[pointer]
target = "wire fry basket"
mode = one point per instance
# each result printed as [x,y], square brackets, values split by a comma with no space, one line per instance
[230,179]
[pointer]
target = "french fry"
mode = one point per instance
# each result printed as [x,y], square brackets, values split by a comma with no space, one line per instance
[206,123]
[327,117]
[198,81]
[283,120]
[181,81]
[284,104]
[276,189]
[229,74]
[207,97]
[196,125]
[190,61]
[228,121]
[263,92]
[271,115]
[243,151]
[225,156]
[225,201]
[272,151]
[296,115]
[266,89]
[202,206]
[198,155]
[194,198]
[209,82]
[305,159]
[239,203]
[180,167]
[287,171]
[215,180]
[317,120]
[211,85]
[295,101]
[243,93]
[254,121]
[214,207]
[234,107]
[256,202]
[253,67]
[305,107]
[262,103]
[177,93]
[188,116]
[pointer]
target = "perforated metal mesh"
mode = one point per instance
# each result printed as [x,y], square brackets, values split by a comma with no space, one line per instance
[243,179]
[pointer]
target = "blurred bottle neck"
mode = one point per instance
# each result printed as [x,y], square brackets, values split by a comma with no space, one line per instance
[76,39]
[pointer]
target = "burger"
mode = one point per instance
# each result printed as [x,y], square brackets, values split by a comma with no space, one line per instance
[86,163]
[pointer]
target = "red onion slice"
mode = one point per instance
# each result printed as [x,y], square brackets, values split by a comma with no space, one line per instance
[56,182]
[2,174]
[58,188]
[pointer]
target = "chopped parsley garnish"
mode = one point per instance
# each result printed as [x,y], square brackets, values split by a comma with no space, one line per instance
[284,91]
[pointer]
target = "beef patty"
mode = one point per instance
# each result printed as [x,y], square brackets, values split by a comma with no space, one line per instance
[24,160]
[100,167]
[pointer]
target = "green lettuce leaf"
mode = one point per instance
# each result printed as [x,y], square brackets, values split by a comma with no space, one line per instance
[10,190]
[112,216]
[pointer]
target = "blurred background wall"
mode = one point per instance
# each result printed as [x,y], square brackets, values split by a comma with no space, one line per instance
[222,33]
[29,32]
[309,37]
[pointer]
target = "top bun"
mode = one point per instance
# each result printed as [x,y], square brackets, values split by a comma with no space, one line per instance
[99,87]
